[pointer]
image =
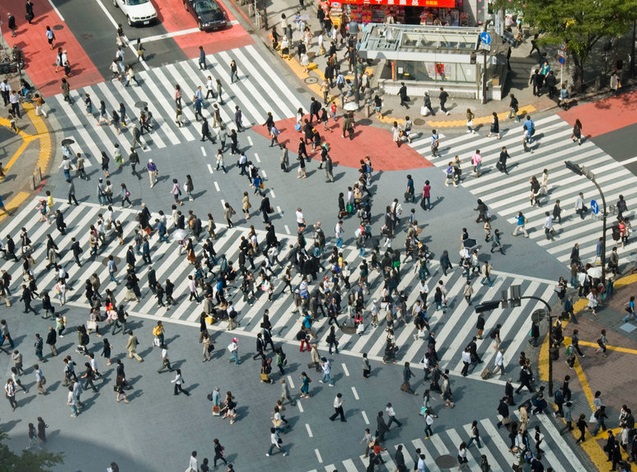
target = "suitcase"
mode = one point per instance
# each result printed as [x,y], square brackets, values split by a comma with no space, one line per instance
[486,373]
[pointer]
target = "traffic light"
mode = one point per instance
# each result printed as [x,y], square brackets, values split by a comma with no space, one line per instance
[516,295]
[574,167]
[487,306]
[505,300]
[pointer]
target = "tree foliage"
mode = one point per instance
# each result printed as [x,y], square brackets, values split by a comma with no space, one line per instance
[578,24]
[26,462]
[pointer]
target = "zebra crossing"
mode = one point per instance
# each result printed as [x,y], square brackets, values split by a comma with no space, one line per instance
[508,194]
[453,329]
[258,90]
[495,446]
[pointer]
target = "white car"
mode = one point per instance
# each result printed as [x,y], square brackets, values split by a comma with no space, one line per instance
[138,12]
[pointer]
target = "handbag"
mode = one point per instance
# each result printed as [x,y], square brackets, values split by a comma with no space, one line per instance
[91,325]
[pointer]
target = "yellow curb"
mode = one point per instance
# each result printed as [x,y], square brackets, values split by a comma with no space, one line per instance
[624,350]
[593,449]
[478,121]
[44,156]
[626,280]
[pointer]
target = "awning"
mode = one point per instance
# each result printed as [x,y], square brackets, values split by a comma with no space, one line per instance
[402,3]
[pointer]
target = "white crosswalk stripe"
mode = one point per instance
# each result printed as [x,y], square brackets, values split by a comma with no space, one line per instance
[495,446]
[454,329]
[258,91]
[508,194]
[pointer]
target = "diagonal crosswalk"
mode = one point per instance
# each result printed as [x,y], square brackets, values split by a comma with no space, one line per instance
[454,329]
[508,194]
[258,91]
[495,446]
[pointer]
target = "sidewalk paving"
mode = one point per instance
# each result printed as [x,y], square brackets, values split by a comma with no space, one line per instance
[612,375]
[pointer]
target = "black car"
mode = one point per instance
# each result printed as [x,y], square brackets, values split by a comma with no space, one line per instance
[210,16]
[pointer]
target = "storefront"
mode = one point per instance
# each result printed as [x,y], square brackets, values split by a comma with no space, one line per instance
[411,12]
[429,57]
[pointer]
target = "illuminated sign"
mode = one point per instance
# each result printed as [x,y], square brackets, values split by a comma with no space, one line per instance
[411,3]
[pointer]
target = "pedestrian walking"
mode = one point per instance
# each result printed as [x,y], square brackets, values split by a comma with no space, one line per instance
[391,414]
[338,408]
[178,382]
[443,97]
[131,347]
[275,442]
[219,453]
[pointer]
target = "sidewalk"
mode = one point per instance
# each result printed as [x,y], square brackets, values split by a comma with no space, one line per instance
[612,375]
[521,65]
[22,155]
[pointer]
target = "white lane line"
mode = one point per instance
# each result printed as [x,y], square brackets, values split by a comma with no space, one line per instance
[174,34]
[272,193]
[249,140]
[287,229]
[628,161]
[203,151]
[290,381]
[318,456]
[278,209]
[56,10]
[309,431]
[299,405]
[256,156]
[210,168]
[355,393]
[365,418]
[265,176]
[115,25]
[218,190]
[345,369]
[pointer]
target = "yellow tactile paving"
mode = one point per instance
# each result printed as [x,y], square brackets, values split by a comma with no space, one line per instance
[45,153]
[592,448]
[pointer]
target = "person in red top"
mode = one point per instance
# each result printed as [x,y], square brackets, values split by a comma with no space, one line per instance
[426,196]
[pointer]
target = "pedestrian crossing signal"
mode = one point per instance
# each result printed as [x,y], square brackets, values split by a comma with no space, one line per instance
[487,306]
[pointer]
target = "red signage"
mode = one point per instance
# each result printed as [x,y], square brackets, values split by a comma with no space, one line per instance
[404,3]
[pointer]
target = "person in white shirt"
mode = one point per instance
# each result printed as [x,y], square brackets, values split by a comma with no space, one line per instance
[421,463]
[193,465]
[210,86]
[275,442]
[179,381]
[580,208]
[548,226]
[499,362]
[300,220]
[392,416]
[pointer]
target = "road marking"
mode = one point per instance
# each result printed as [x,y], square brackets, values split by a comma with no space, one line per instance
[290,381]
[298,404]
[116,25]
[56,11]
[249,140]
[355,393]
[272,193]
[318,456]
[287,229]
[209,168]
[265,176]
[365,418]
[223,203]
[256,156]
[345,369]
[218,190]
[174,34]
[203,151]
[278,210]
[309,431]
[628,161]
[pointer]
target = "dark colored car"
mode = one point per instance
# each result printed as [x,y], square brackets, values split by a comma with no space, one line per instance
[209,15]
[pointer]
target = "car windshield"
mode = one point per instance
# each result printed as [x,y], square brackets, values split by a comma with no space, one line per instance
[137,2]
[208,8]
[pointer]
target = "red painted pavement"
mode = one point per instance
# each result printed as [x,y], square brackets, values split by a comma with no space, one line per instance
[368,141]
[605,115]
[174,18]
[39,58]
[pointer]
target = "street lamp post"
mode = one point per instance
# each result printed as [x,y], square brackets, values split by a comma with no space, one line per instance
[515,301]
[548,307]
[582,170]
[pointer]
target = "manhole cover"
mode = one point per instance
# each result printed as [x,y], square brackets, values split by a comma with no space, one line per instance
[446,462]
[419,122]
[311,80]
[58,27]
[348,330]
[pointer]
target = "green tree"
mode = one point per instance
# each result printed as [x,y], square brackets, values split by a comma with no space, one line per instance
[28,461]
[578,24]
